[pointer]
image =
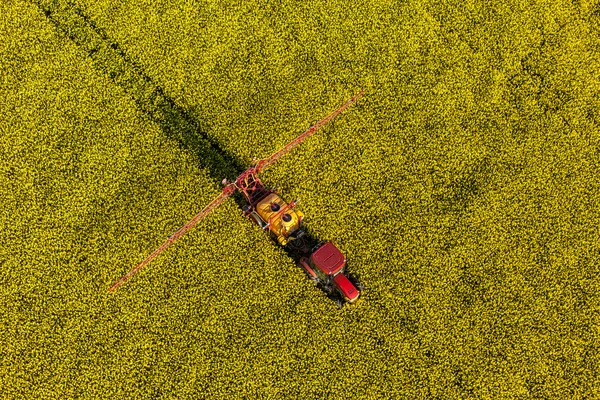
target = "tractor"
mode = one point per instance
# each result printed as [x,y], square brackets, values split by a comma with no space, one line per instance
[323,262]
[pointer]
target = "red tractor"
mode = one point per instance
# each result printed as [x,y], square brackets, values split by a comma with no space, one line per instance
[327,267]
[323,262]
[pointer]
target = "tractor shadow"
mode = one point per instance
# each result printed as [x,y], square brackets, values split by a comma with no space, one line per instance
[175,121]
[109,58]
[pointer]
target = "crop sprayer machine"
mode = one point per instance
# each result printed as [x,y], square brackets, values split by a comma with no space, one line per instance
[323,262]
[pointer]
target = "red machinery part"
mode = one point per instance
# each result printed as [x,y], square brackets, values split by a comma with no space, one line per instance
[345,287]
[328,258]
[307,268]
[262,164]
[227,191]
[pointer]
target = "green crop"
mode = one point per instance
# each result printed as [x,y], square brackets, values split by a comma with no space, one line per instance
[462,188]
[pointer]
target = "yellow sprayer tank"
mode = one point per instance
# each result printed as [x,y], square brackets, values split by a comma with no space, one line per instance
[284,220]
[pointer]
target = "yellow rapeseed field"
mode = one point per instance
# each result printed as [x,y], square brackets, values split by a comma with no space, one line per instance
[462,188]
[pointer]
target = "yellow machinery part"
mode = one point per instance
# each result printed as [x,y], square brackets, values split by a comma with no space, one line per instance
[280,228]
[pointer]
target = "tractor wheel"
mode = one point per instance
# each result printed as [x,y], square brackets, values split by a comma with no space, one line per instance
[327,289]
[339,303]
[257,220]
[303,263]
[357,283]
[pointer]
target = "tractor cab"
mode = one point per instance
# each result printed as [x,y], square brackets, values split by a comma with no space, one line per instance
[327,264]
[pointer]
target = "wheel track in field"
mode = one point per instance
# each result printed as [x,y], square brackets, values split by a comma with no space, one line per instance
[108,57]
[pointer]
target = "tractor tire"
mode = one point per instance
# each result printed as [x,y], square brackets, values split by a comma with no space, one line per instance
[339,303]
[327,289]
[257,220]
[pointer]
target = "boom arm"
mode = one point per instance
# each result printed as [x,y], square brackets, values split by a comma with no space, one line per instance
[227,191]
[232,187]
[262,164]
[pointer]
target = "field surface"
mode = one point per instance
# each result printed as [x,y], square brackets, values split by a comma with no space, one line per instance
[463,189]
